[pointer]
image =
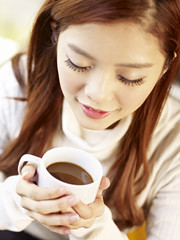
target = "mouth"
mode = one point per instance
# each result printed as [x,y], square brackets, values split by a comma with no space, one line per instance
[94,113]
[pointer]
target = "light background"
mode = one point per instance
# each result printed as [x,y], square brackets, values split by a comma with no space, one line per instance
[16,19]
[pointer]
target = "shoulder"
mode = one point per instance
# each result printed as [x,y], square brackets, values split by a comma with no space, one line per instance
[164,154]
[170,116]
[164,149]
[12,110]
[167,131]
[9,86]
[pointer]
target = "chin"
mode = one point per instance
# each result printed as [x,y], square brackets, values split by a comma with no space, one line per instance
[97,125]
[94,128]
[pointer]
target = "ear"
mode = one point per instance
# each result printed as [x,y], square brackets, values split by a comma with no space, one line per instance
[54,28]
[167,64]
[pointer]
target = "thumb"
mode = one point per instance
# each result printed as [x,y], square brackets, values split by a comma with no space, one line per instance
[29,171]
[105,183]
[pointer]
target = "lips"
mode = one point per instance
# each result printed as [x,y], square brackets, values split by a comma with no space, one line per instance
[94,113]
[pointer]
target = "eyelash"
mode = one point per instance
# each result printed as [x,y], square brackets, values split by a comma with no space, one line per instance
[138,81]
[75,67]
[124,80]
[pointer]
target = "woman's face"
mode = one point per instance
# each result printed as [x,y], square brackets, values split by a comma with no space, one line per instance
[107,71]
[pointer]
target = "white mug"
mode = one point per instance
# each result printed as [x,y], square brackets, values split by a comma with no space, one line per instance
[86,193]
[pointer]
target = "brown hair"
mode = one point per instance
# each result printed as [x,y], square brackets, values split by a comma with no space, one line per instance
[44,96]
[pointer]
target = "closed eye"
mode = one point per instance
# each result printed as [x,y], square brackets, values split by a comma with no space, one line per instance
[126,81]
[74,67]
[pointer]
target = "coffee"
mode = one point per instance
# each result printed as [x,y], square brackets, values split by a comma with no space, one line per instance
[70,173]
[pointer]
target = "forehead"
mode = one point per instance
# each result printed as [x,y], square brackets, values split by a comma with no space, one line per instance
[125,38]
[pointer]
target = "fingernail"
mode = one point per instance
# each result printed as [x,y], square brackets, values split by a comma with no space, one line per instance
[74,218]
[25,173]
[61,190]
[67,231]
[73,200]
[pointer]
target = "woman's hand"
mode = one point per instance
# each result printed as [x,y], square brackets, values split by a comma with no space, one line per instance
[88,213]
[55,208]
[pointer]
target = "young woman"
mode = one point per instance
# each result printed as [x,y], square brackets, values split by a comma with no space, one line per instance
[97,78]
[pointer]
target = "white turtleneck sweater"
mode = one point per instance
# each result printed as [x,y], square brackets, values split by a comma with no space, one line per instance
[161,195]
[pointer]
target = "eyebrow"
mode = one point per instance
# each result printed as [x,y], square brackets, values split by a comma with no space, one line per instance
[129,65]
[80,51]
[135,65]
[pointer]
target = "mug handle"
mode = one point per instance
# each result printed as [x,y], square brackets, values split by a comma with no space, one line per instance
[28,158]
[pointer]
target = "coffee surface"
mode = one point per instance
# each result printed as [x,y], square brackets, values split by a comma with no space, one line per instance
[70,173]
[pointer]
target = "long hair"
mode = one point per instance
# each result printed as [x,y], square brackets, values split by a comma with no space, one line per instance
[44,97]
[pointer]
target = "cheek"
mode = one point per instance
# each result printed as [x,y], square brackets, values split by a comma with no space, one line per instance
[134,97]
[68,81]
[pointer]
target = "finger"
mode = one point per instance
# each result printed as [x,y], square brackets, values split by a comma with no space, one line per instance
[31,190]
[29,171]
[95,209]
[60,229]
[105,183]
[65,219]
[92,210]
[62,204]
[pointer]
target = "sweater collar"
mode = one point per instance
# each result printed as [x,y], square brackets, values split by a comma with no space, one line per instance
[92,140]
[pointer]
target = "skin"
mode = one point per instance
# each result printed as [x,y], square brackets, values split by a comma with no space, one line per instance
[115,52]
[111,53]
[44,204]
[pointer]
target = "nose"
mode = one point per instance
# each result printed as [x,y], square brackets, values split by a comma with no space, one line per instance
[100,86]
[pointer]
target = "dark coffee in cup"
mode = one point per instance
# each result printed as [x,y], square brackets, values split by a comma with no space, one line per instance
[70,173]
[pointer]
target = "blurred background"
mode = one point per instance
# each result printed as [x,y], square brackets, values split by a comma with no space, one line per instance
[16,19]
